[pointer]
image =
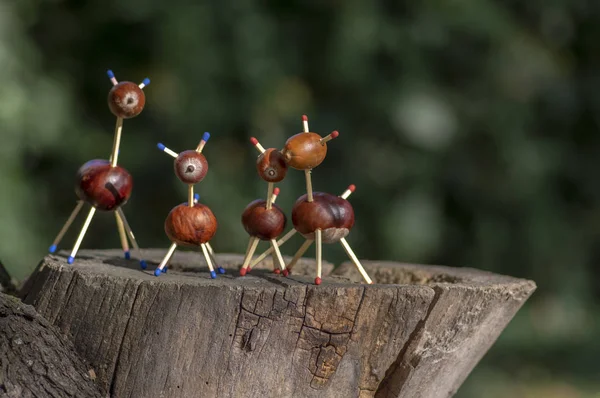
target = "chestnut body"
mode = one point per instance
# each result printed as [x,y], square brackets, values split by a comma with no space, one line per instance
[271,165]
[304,151]
[190,226]
[262,223]
[331,214]
[103,186]
[126,100]
[190,167]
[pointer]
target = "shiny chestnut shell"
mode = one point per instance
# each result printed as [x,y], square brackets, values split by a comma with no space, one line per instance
[190,226]
[304,151]
[103,186]
[271,165]
[190,167]
[126,100]
[330,213]
[262,223]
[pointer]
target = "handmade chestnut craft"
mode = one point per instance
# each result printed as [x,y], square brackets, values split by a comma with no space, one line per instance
[190,224]
[103,184]
[262,219]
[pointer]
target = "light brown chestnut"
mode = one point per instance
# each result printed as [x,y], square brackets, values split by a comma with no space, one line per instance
[271,165]
[190,226]
[304,151]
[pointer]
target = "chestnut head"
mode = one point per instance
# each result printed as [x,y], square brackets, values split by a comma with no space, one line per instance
[126,100]
[190,226]
[271,165]
[103,186]
[304,151]
[191,167]
[263,223]
[331,214]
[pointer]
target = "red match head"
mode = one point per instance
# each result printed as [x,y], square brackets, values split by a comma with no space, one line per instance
[304,118]
[335,134]
[254,141]
[352,188]
[276,191]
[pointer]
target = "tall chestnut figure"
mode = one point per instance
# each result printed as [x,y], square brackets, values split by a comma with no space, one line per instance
[262,219]
[102,183]
[190,224]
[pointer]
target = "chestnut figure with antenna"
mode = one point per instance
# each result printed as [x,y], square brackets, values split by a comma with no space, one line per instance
[318,216]
[262,219]
[102,183]
[190,224]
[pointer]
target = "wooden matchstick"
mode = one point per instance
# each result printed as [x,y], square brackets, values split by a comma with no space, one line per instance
[275,195]
[86,224]
[270,195]
[309,190]
[165,259]
[117,141]
[299,254]
[134,243]
[67,225]
[319,256]
[191,195]
[251,249]
[112,77]
[329,137]
[208,261]
[280,242]
[351,188]
[167,150]
[354,259]
[305,123]
[257,145]
[203,141]
[144,83]
[277,254]
[122,236]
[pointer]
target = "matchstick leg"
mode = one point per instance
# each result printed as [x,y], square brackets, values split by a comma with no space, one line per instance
[249,252]
[220,269]
[165,259]
[84,229]
[354,259]
[277,258]
[280,242]
[319,256]
[117,142]
[134,243]
[123,237]
[213,274]
[309,190]
[297,256]
[66,227]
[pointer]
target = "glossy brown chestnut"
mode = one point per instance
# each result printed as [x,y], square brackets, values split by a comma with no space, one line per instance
[262,223]
[126,100]
[271,165]
[330,213]
[191,167]
[304,151]
[190,226]
[103,186]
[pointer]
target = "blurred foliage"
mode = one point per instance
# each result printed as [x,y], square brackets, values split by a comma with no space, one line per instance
[469,127]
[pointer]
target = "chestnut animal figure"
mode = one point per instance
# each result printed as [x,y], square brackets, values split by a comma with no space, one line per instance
[102,183]
[190,224]
[262,219]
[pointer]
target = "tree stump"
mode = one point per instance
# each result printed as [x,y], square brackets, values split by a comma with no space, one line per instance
[416,334]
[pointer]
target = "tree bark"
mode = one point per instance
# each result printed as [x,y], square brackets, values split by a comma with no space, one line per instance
[416,334]
[35,359]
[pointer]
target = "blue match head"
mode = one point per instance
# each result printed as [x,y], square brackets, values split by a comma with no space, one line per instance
[110,74]
[161,146]
[146,81]
[164,270]
[221,270]
[213,274]
[127,255]
[206,136]
[157,272]
[52,249]
[196,197]
[143,264]
[71,259]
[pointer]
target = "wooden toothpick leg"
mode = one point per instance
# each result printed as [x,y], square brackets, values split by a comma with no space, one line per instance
[86,224]
[117,142]
[165,260]
[66,227]
[220,269]
[298,255]
[123,237]
[251,249]
[280,242]
[191,195]
[354,259]
[143,264]
[270,195]
[277,256]
[319,256]
[213,274]
[309,190]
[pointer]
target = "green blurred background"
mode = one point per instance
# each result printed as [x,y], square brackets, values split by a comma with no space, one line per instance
[469,127]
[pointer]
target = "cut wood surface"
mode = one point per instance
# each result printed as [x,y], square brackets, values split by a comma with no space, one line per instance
[36,360]
[417,332]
